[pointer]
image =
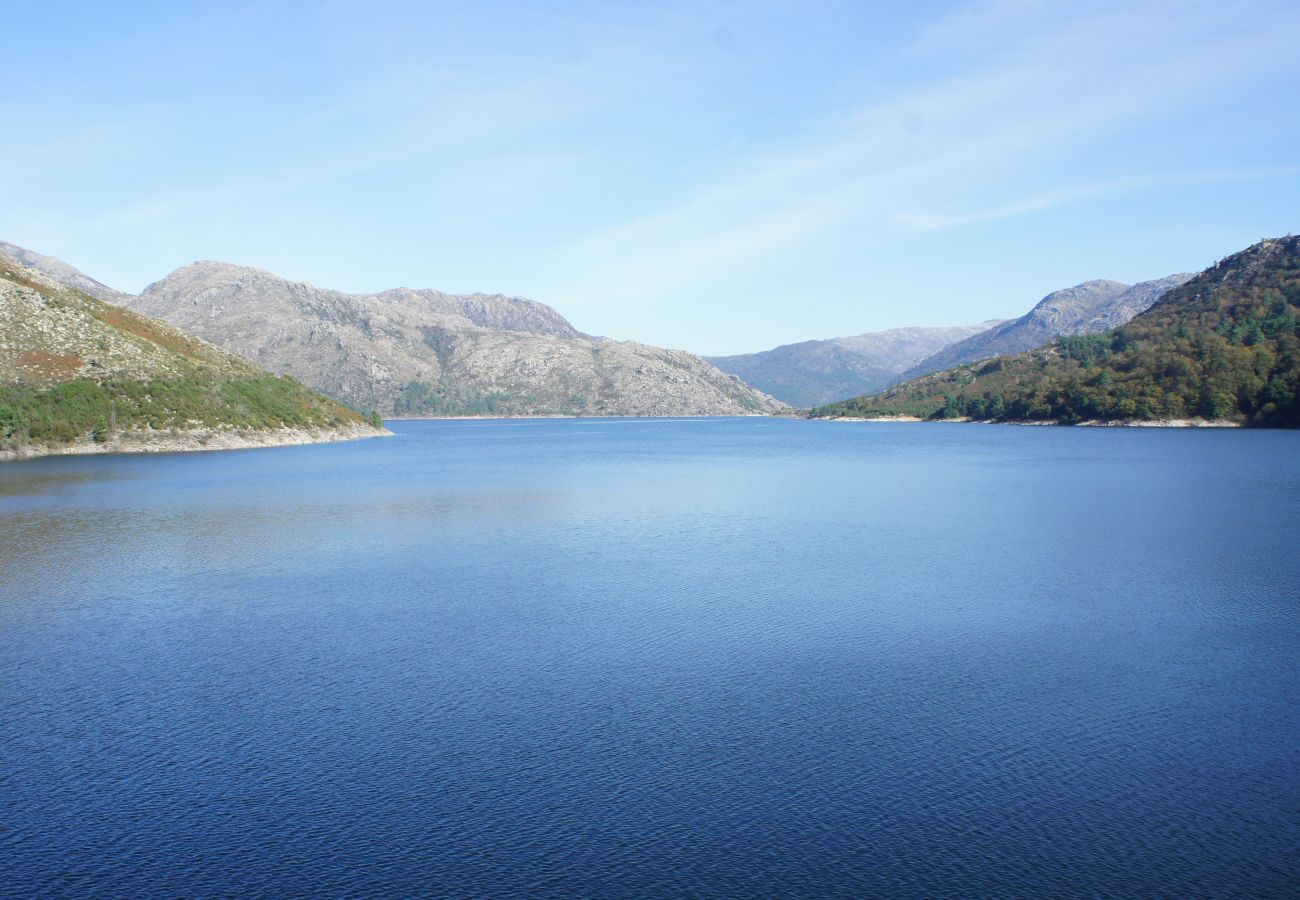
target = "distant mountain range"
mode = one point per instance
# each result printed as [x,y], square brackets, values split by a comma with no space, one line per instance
[80,374]
[1087,308]
[811,373]
[423,352]
[1224,346]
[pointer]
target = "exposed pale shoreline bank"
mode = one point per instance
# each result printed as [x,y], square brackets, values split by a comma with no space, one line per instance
[1092,423]
[569,416]
[196,440]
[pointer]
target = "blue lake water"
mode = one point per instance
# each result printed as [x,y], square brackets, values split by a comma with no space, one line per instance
[657,658]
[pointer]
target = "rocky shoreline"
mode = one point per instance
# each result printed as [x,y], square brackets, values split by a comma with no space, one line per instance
[195,440]
[1092,423]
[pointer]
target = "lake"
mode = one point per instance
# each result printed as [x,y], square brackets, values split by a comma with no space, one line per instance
[749,657]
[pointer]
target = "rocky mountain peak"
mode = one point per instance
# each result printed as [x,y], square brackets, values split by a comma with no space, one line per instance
[1086,308]
[208,274]
[426,352]
[1064,307]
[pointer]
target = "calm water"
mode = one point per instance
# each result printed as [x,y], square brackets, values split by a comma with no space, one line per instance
[630,658]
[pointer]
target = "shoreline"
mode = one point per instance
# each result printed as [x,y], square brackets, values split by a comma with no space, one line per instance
[196,441]
[1091,423]
[570,416]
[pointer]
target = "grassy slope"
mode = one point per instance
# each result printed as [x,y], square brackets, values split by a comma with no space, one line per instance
[72,366]
[1225,346]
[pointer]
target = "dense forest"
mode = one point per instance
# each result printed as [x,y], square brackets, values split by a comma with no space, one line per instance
[1223,347]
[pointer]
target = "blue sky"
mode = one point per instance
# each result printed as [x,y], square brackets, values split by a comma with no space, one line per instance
[716,177]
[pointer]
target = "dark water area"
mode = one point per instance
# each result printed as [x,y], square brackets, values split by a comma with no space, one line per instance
[740,657]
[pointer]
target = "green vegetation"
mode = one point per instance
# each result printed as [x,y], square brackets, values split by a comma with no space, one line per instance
[76,367]
[1225,347]
[65,412]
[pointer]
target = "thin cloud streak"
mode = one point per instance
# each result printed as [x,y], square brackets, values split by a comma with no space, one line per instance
[986,124]
[929,221]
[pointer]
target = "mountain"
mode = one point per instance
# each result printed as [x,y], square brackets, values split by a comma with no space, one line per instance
[814,372]
[1224,347]
[81,375]
[63,273]
[1137,299]
[1086,308]
[423,352]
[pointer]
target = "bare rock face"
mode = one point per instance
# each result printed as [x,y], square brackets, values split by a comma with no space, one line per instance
[423,352]
[1137,299]
[1087,308]
[812,373]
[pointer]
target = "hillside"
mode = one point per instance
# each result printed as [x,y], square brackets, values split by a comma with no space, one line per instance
[79,374]
[423,352]
[1087,308]
[63,273]
[815,372]
[1225,346]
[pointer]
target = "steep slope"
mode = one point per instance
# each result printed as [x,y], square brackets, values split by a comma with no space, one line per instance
[1224,346]
[80,374]
[1083,309]
[63,273]
[408,352]
[1137,299]
[815,372]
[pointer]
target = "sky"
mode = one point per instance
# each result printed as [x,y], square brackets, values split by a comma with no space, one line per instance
[716,177]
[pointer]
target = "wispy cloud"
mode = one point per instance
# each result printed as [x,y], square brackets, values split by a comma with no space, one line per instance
[630,162]
[928,220]
[1047,82]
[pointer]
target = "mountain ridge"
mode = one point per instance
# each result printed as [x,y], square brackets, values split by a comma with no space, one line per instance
[481,310]
[63,273]
[416,352]
[809,373]
[1222,347]
[78,374]
[1085,308]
